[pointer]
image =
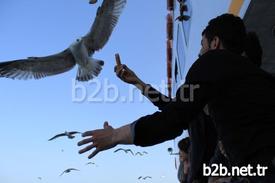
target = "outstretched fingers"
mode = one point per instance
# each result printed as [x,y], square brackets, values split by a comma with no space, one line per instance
[87,148]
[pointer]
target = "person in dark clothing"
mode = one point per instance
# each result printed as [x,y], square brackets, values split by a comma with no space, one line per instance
[183,169]
[239,95]
[253,49]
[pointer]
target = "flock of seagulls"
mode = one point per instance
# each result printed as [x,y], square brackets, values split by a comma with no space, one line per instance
[130,151]
[69,135]
[78,53]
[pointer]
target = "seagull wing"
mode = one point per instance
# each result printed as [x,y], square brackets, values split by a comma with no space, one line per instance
[147,177]
[62,173]
[58,135]
[38,67]
[105,21]
[139,153]
[70,169]
[129,150]
[74,132]
[120,149]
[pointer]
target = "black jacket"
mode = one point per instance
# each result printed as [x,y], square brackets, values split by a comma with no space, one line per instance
[241,99]
[202,134]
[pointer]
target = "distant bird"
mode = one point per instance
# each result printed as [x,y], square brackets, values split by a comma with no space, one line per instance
[138,153]
[70,135]
[125,150]
[93,1]
[147,177]
[141,153]
[40,178]
[79,53]
[91,163]
[144,178]
[68,171]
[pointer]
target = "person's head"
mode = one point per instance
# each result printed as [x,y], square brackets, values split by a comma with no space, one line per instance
[184,148]
[226,31]
[253,49]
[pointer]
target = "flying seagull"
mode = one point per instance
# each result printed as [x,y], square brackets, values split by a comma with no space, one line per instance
[91,163]
[138,153]
[79,53]
[141,153]
[147,177]
[93,1]
[125,150]
[70,135]
[68,171]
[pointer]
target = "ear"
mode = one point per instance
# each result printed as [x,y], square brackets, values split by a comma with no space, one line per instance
[215,43]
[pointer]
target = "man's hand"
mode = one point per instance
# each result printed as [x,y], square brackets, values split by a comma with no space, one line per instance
[101,139]
[126,74]
[106,138]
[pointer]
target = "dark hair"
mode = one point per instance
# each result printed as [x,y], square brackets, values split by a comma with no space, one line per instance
[184,144]
[253,49]
[230,29]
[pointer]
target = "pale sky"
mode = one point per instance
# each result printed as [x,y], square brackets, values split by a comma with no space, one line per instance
[33,111]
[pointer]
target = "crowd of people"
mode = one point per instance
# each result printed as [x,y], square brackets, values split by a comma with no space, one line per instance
[229,115]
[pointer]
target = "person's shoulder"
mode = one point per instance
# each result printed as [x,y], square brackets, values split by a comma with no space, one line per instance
[212,64]
[217,55]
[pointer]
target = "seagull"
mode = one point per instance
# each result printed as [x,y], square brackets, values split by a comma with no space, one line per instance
[141,153]
[147,177]
[125,150]
[40,178]
[93,1]
[91,163]
[78,53]
[68,171]
[70,135]
[138,153]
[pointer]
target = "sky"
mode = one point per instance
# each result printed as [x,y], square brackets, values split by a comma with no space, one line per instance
[35,110]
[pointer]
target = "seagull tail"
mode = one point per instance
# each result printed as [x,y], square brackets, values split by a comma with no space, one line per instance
[90,71]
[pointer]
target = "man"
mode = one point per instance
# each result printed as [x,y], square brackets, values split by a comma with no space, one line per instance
[239,95]
[183,170]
